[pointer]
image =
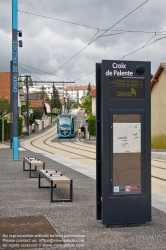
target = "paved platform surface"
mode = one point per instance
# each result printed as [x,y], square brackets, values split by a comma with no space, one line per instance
[20,196]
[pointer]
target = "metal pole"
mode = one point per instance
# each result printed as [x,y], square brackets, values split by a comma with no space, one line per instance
[15,78]
[64,98]
[51,107]
[2,130]
[27,106]
[43,99]
[11,105]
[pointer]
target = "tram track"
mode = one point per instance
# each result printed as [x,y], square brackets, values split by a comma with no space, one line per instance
[158,174]
[77,147]
[158,178]
[74,150]
[60,149]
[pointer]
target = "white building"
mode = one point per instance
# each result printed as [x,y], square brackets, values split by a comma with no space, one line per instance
[45,88]
[76,92]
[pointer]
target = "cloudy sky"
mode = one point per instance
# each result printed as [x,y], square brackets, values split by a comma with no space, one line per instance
[62,39]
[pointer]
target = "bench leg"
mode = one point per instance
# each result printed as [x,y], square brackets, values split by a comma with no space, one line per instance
[39,182]
[23,165]
[51,192]
[71,190]
[61,200]
[30,170]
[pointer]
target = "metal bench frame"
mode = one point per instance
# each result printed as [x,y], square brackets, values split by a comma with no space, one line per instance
[33,162]
[55,177]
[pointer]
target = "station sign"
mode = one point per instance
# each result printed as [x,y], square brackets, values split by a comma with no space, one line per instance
[123,152]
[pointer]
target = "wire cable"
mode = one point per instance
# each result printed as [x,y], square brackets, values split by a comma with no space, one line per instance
[149,40]
[146,45]
[142,47]
[28,72]
[135,31]
[84,76]
[43,71]
[60,20]
[97,38]
[87,26]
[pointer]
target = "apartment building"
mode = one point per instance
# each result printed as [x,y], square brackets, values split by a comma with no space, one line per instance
[46,88]
[75,93]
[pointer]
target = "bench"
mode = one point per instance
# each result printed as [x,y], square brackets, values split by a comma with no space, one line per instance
[32,162]
[55,177]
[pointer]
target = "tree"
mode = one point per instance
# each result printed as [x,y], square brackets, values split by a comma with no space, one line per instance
[55,101]
[4,106]
[47,98]
[75,105]
[89,88]
[30,82]
[87,104]
[37,113]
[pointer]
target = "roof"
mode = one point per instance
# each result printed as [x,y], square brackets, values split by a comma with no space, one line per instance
[93,93]
[33,96]
[157,74]
[78,87]
[5,85]
[36,104]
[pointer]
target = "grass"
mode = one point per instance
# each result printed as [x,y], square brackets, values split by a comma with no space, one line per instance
[158,142]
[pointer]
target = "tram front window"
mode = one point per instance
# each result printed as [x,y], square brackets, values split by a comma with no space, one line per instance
[64,123]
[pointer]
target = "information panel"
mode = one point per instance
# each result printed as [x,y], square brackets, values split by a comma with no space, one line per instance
[126,153]
[127,88]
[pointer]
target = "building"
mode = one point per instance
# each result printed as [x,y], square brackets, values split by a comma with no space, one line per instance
[158,101]
[76,92]
[45,88]
[5,89]
[93,97]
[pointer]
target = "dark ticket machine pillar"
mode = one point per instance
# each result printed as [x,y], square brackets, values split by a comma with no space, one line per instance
[123,167]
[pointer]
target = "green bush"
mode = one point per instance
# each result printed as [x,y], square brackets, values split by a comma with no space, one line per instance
[53,114]
[7,128]
[92,125]
[20,121]
[158,142]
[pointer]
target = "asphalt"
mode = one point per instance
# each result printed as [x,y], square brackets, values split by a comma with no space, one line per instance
[75,221]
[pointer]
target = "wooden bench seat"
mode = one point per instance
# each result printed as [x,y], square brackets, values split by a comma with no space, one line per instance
[32,162]
[55,177]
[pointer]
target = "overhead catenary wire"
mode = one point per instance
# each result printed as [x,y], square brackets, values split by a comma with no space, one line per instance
[84,76]
[146,45]
[142,47]
[134,31]
[28,72]
[42,71]
[87,26]
[149,40]
[60,20]
[93,40]
[97,38]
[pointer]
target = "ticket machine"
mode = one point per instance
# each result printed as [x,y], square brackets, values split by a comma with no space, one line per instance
[123,150]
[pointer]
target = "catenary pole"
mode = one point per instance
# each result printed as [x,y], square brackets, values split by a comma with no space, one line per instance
[15,78]
[27,103]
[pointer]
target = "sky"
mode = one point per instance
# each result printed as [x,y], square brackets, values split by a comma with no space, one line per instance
[63,40]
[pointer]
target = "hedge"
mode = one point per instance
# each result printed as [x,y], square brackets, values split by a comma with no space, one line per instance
[92,125]
[53,114]
[7,128]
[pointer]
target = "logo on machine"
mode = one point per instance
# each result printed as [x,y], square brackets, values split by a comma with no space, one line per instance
[130,93]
